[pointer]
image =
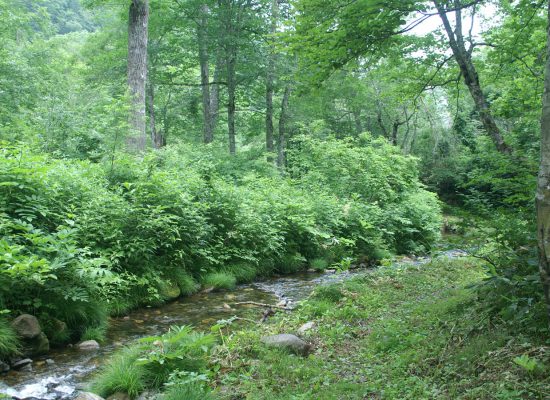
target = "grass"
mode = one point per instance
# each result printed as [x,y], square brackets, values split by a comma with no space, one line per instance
[319,264]
[291,263]
[243,272]
[150,362]
[219,281]
[121,374]
[9,343]
[96,333]
[402,332]
[189,391]
[186,283]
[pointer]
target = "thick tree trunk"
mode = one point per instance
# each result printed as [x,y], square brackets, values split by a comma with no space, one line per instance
[202,36]
[394,131]
[283,118]
[138,20]
[156,137]
[543,184]
[471,77]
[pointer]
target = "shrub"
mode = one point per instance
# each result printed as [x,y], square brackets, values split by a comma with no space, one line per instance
[185,282]
[330,293]
[219,281]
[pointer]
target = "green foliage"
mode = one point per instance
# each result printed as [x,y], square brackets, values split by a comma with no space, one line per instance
[319,264]
[185,282]
[219,281]
[243,272]
[188,391]
[95,333]
[154,361]
[121,374]
[9,343]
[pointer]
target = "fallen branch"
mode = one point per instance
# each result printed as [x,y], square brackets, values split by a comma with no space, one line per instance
[253,303]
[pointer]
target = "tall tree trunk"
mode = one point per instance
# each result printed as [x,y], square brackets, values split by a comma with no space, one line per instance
[231,89]
[283,118]
[543,184]
[394,131]
[215,91]
[470,75]
[202,36]
[138,20]
[270,81]
[156,137]
[357,120]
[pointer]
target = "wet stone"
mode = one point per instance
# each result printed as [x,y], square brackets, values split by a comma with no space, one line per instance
[19,365]
[4,367]
[87,396]
[88,345]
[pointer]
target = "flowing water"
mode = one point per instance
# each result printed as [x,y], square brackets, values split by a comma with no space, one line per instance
[72,368]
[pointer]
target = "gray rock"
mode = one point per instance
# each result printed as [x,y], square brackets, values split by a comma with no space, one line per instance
[147,395]
[88,345]
[37,346]
[306,327]
[21,363]
[50,362]
[288,342]
[4,367]
[87,396]
[26,326]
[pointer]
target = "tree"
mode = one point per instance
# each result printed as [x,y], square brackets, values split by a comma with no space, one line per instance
[543,184]
[358,29]
[138,20]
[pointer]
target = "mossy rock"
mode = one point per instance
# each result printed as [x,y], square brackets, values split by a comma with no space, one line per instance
[169,291]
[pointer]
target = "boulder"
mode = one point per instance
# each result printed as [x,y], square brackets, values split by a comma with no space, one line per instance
[37,346]
[26,326]
[170,291]
[4,367]
[287,342]
[88,345]
[87,396]
[21,364]
[306,327]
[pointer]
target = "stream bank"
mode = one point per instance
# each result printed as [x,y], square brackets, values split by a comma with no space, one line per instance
[71,368]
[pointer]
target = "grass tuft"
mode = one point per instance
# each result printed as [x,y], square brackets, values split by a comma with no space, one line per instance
[219,281]
[319,264]
[9,343]
[243,272]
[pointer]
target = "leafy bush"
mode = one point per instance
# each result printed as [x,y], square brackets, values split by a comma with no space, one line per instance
[319,264]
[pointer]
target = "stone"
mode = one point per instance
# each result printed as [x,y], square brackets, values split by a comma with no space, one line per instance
[226,306]
[88,345]
[306,327]
[288,342]
[18,365]
[147,395]
[119,396]
[37,346]
[87,396]
[50,362]
[4,367]
[170,291]
[26,326]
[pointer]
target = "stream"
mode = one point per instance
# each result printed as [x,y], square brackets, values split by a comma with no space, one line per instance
[72,368]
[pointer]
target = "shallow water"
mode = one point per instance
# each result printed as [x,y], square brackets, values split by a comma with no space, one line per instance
[73,368]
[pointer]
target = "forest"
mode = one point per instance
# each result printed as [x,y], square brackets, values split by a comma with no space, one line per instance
[389,161]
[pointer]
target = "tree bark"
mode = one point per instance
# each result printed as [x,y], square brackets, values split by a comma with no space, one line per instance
[156,137]
[202,36]
[231,89]
[138,20]
[215,91]
[394,131]
[283,118]
[270,79]
[470,75]
[543,184]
